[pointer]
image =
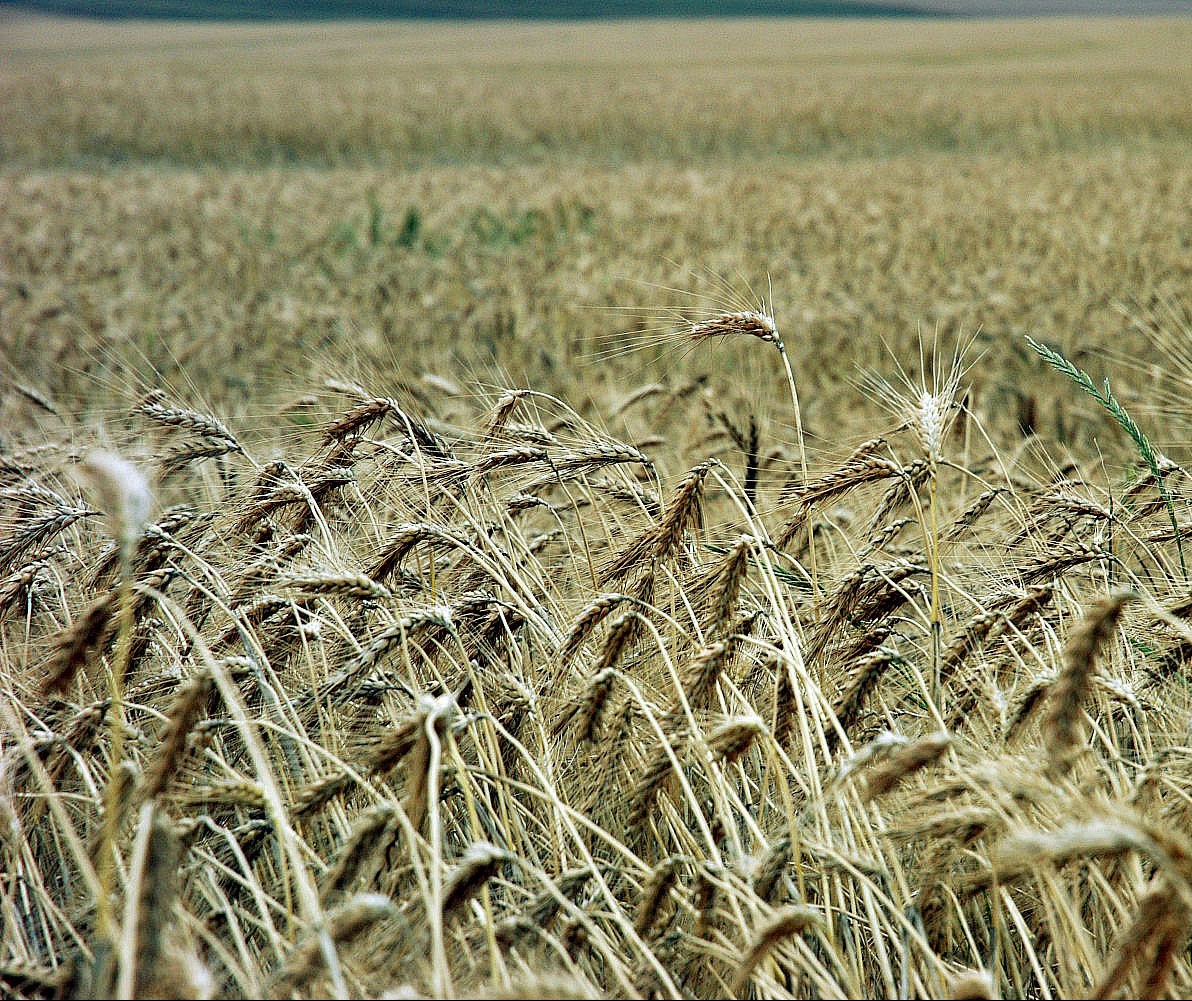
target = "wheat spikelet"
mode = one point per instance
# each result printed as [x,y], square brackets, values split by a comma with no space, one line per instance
[860,467]
[663,542]
[1055,564]
[432,719]
[1067,695]
[864,676]
[359,417]
[257,612]
[656,773]
[272,474]
[278,496]
[589,710]
[734,737]
[880,542]
[1121,692]
[747,323]
[1031,698]
[874,591]
[78,736]
[636,553]
[636,496]
[567,886]
[176,460]
[586,622]
[155,545]
[1075,506]
[403,541]
[346,387]
[767,878]
[723,585]
[189,703]
[969,517]
[982,629]
[508,457]
[154,406]
[531,434]
[904,762]
[964,825]
[35,532]
[479,864]
[344,924]
[699,680]
[748,442]
[1025,606]
[383,753]
[645,392]
[448,474]
[379,756]
[309,495]
[932,418]
[1168,534]
[261,572]
[654,894]
[785,923]
[426,442]
[317,794]
[75,644]
[582,461]
[502,411]
[910,478]
[21,585]
[1108,836]
[31,496]
[347,584]
[233,792]
[1159,910]
[972,985]
[971,635]
[621,634]
[522,501]
[409,629]
[372,833]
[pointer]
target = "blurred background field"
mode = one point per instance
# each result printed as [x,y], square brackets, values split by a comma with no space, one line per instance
[250,202]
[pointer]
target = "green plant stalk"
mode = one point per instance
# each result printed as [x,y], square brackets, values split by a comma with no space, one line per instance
[1109,402]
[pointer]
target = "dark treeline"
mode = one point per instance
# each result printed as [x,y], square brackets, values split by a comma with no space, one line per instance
[471,9]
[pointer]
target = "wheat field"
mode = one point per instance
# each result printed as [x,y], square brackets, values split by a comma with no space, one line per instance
[645,510]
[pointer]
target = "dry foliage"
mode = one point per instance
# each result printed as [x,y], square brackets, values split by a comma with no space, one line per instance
[404,684]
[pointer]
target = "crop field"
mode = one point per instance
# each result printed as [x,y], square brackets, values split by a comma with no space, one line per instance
[662,509]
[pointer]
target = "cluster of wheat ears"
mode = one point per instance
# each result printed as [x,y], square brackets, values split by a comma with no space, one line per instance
[496,709]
